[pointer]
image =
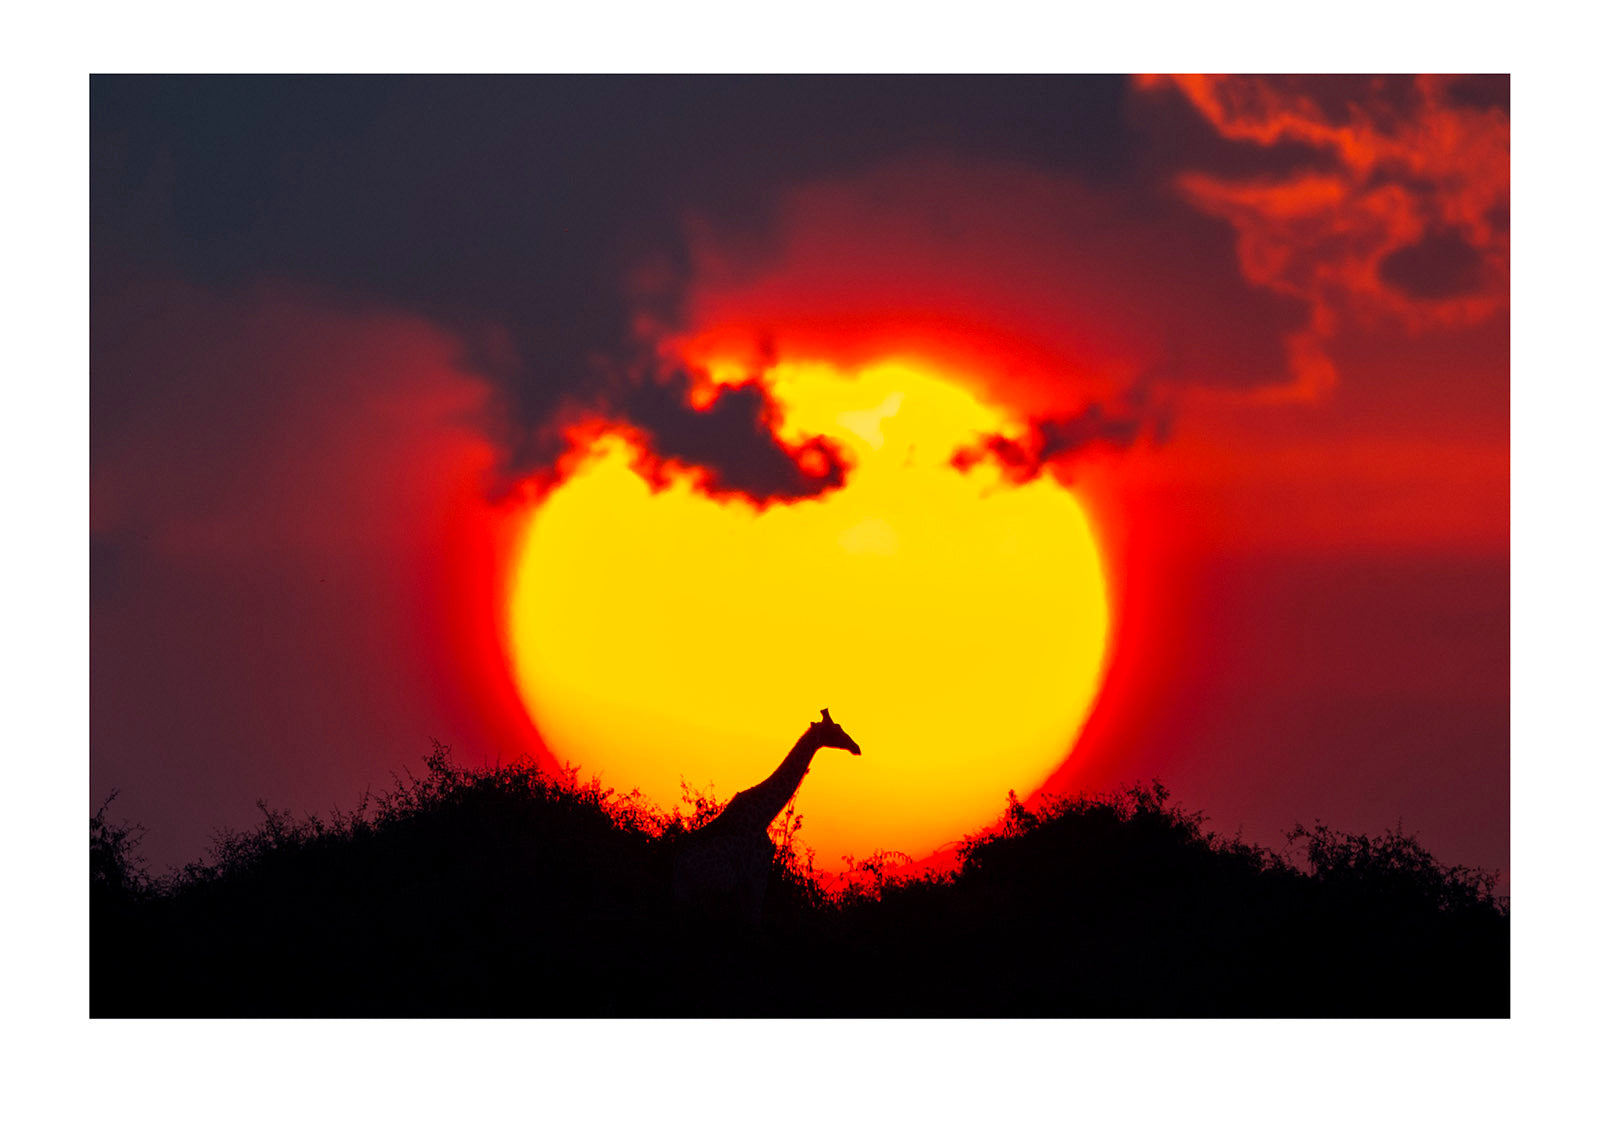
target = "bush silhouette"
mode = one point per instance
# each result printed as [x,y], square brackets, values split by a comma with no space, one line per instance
[509,892]
[1395,868]
[116,871]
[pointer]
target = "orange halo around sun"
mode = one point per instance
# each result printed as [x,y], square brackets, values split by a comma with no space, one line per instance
[955,623]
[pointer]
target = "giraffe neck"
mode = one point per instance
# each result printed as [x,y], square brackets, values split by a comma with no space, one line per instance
[760,805]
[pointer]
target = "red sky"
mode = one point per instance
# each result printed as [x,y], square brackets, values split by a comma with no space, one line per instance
[1298,289]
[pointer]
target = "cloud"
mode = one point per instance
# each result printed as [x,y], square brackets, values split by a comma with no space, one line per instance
[1405,219]
[1441,265]
[537,218]
[723,438]
[1054,441]
[1058,240]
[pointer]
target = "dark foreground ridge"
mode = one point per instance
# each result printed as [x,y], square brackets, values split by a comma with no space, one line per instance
[508,893]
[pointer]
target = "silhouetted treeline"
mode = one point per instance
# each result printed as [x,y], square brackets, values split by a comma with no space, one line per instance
[506,892]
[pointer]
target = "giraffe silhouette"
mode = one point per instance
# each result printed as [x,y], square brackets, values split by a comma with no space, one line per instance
[721,870]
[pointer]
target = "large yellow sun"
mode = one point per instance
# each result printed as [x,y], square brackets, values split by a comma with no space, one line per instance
[955,624]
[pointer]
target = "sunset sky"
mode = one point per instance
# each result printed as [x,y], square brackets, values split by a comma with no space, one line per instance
[349,337]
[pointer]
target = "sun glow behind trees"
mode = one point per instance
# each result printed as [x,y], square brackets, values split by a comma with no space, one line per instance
[956,623]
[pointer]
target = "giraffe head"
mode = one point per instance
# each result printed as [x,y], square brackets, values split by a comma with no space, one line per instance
[829,733]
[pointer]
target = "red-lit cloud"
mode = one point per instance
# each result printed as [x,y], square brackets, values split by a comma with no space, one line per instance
[1408,218]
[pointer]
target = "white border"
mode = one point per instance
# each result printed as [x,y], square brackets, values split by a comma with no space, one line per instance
[1314,1074]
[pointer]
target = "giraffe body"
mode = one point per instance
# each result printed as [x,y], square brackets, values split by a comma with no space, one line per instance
[721,871]
[723,878]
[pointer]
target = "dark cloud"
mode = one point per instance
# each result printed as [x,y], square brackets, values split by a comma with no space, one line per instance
[1481,92]
[1441,265]
[728,444]
[1173,134]
[1059,438]
[556,227]
[516,212]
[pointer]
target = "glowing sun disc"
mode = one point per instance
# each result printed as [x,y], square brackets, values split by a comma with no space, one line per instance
[954,623]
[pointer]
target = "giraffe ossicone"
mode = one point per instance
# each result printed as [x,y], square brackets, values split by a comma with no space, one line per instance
[722,868]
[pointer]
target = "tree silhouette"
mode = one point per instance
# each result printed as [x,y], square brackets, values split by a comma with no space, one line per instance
[510,892]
